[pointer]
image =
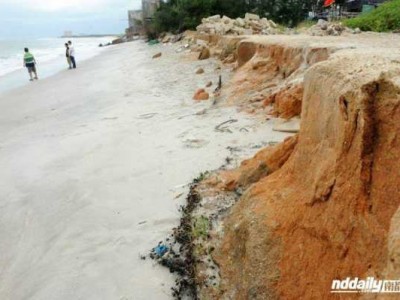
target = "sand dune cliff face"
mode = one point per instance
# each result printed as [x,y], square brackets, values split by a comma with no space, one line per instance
[325,210]
[272,73]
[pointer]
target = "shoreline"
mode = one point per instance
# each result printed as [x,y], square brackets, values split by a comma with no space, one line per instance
[16,78]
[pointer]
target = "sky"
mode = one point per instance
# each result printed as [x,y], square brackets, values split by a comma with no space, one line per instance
[50,18]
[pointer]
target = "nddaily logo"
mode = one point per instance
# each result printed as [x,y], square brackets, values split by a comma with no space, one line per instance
[369,285]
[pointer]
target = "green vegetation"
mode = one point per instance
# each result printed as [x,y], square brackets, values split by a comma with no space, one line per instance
[201,177]
[385,18]
[306,24]
[180,15]
[201,227]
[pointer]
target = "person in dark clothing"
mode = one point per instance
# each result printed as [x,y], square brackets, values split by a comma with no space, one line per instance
[72,54]
[68,57]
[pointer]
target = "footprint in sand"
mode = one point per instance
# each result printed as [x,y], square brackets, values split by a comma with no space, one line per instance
[195,143]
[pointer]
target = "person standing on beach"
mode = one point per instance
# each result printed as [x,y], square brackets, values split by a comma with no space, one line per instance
[30,64]
[68,57]
[72,54]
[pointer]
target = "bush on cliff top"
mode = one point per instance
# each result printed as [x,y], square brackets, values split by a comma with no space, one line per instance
[385,18]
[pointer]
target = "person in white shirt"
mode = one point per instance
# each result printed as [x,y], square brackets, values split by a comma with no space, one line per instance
[72,54]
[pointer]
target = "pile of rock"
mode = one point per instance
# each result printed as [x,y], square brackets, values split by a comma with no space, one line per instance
[324,28]
[170,38]
[251,24]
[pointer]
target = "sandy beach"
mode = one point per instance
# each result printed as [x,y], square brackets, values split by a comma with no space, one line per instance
[94,165]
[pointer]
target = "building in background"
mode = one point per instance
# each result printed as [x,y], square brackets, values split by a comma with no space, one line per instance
[140,21]
[149,7]
[135,18]
[67,33]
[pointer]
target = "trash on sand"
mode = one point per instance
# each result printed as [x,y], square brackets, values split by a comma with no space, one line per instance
[160,250]
[153,42]
[178,196]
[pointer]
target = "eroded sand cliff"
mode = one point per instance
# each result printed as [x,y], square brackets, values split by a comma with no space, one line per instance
[321,205]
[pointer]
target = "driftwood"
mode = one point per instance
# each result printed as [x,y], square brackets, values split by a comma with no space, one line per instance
[220,127]
[147,116]
[217,89]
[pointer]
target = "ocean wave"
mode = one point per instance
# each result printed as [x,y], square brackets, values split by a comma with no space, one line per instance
[45,50]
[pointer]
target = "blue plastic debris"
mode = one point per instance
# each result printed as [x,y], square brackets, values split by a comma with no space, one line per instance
[161,250]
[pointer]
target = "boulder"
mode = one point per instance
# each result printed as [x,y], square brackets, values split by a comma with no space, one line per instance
[201,95]
[118,41]
[200,71]
[273,24]
[323,28]
[287,102]
[250,17]
[251,24]
[166,39]
[226,20]
[322,24]
[239,22]
[230,59]
[205,53]
[215,18]
[209,84]
[265,23]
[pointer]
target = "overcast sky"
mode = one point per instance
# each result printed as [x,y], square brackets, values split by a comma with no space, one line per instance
[50,18]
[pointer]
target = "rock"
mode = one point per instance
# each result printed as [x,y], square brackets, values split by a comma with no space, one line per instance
[287,102]
[322,24]
[200,71]
[177,38]
[265,23]
[250,17]
[215,18]
[226,20]
[273,24]
[357,31]
[252,23]
[118,41]
[324,28]
[205,53]
[158,55]
[248,32]
[209,84]
[239,22]
[201,95]
[331,31]
[230,59]
[166,39]
[256,26]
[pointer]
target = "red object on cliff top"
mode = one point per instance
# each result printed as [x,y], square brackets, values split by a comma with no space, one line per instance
[328,2]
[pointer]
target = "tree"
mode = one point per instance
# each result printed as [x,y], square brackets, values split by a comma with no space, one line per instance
[179,15]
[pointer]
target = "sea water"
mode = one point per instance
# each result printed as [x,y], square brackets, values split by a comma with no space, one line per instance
[49,54]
